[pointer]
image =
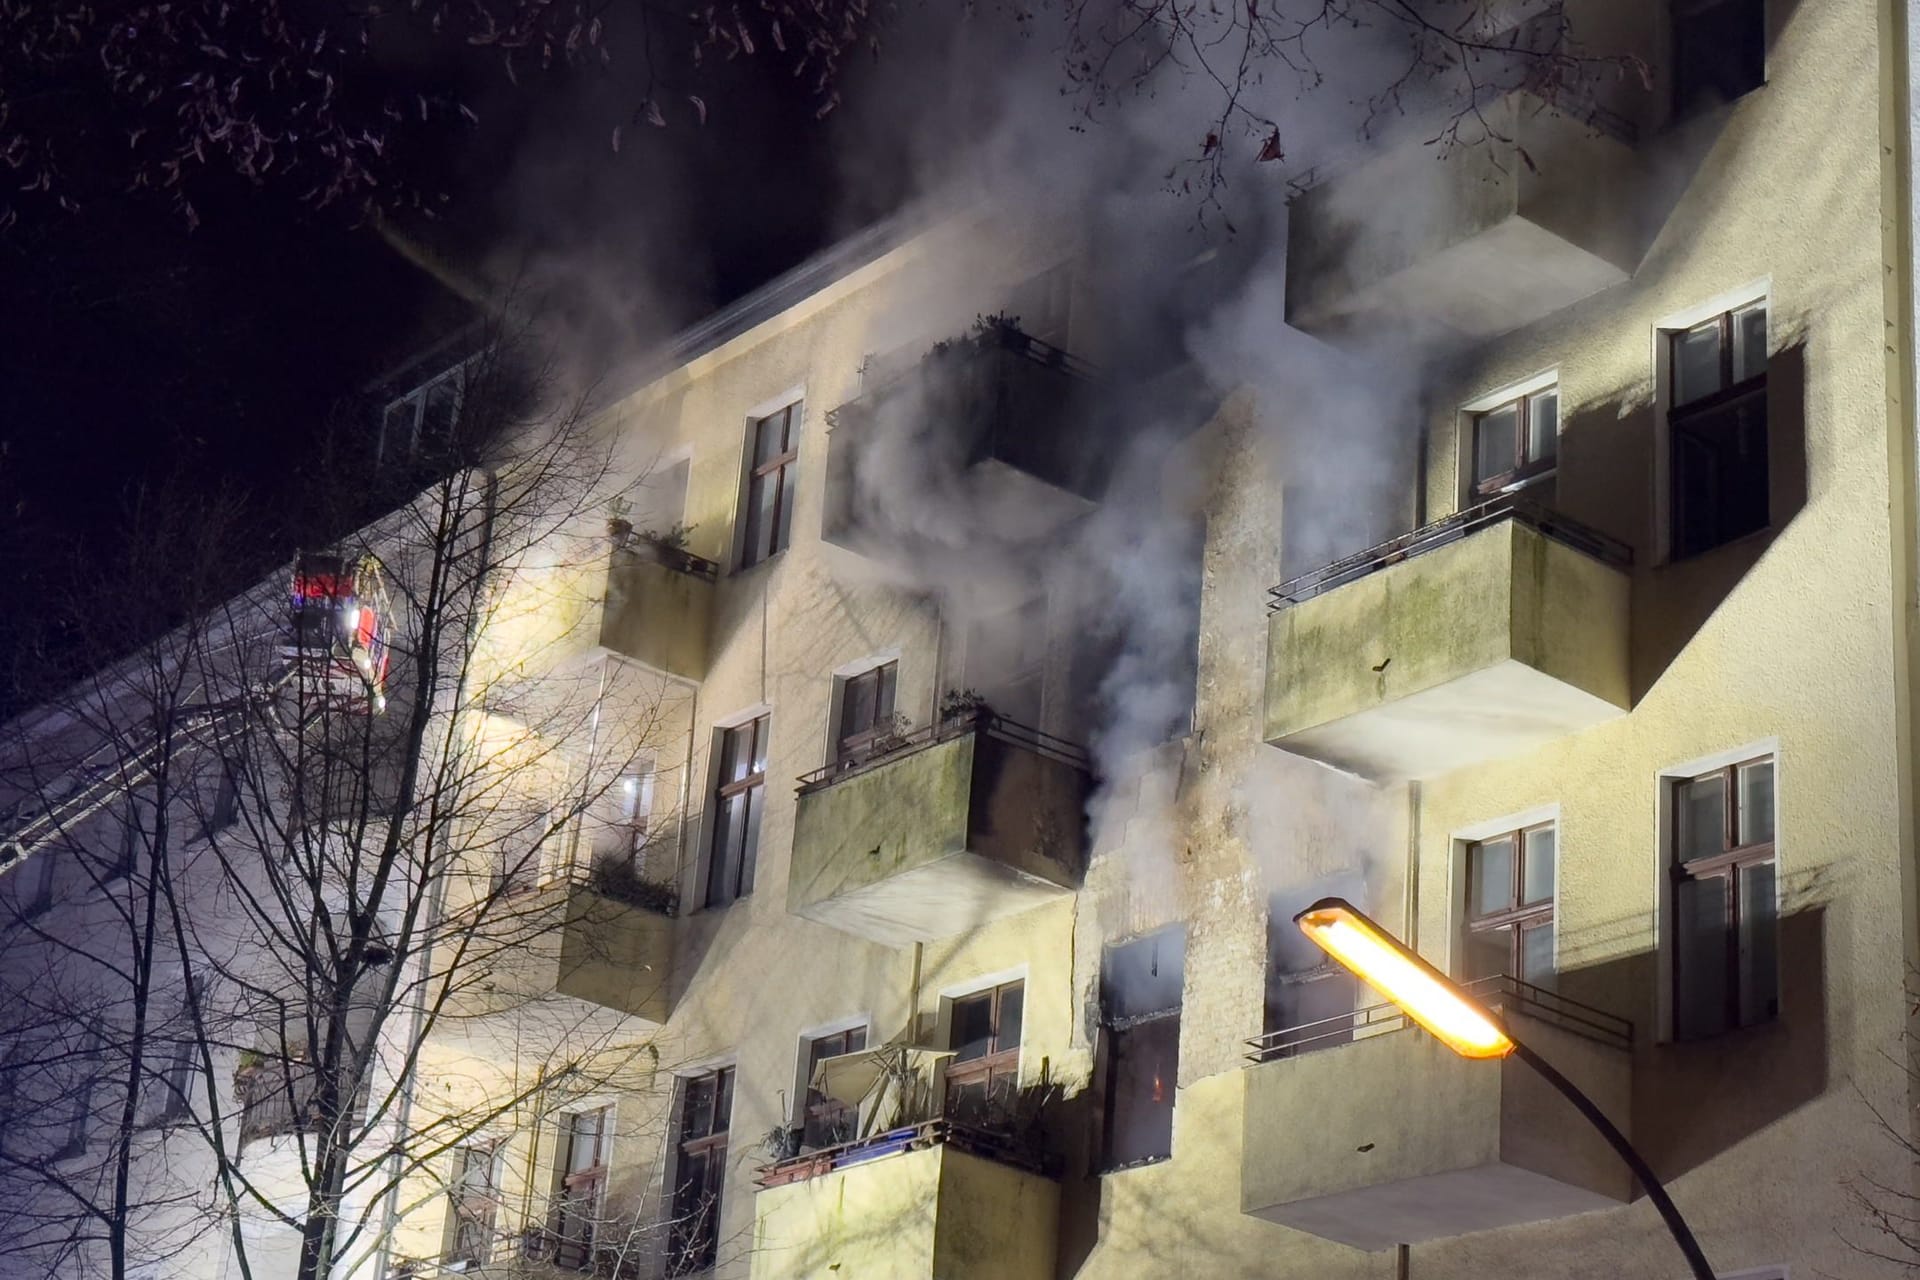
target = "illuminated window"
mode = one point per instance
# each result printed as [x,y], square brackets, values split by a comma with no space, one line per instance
[1516,443]
[706,1111]
[1717,429]
[1509,906]
[772,465]
[1725,920]
[1140,998]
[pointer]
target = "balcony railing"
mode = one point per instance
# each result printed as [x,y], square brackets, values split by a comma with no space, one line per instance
[997,1146]
[278,1098]
[1499,992]
[991,335]
[890,747]
[1562,529]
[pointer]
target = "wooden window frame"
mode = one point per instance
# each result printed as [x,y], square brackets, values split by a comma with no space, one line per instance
[584,1186]
[852,748]
[1681,417]
[773,471]
[1525,469]
[693,1248]
[461,1198]
[823,1110]
[751,784]
[1000,1061]
[1519,914]
[1728,864]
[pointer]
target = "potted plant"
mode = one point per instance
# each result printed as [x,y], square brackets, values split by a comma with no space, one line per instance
[619,527]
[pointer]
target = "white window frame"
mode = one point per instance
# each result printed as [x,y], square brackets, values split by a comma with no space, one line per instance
[418,396]
[1463,495]
[1664,781]
[841,675]
[1474,832]
[1661,356]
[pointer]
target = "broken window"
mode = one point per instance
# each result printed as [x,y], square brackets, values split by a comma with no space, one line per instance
[866,711]
[1725,915]
[1310,1000]
[1717,427]
[1140,998]
[473,1214]
[706,1110]
[771,470]
[587,1142]
[828,1122]
[1719,51]
[983,1079]
[1509,906]
[1516,443]
[741,781]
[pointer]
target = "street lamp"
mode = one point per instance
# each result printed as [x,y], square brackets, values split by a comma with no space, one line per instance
[1470,1029]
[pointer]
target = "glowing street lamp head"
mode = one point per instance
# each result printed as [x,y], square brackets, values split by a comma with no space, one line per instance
[1422,992]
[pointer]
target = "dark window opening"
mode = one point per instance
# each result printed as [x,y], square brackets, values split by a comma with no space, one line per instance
[1719,52]
[706,1110]
[742,779]
[1717,424]
[582,1190]
[828,1122]
[866,712]
[1509,906]
[984,1076]
[1516,443]
[1725,915]
[770,479]
[1140,1000]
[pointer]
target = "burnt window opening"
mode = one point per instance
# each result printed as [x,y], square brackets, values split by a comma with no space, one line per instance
[1509,907]
[580,1193]
[865,712]
[1719,52]
[1717,429]
[984,1077]
[740,784]
[1725,916]
[474,1204]
[700,1141]
[1310,1001]
[826,1121]
[771,468]
[1516,443]
[1140,997]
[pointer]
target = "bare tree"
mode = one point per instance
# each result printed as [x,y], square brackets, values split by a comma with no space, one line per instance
[307,896]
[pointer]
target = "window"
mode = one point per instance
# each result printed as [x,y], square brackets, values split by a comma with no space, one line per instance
[1006,661]
[866,712]
[984,1075]
[1717,429]
[474,1209]
[742,779]
[1042,304]
[1515,443]
[1310,1000]
[1719,51]
[770,479]
[1140,996]
[635,798]
[1509,907]
[706,1109]
[829,1122]
[588,1137]
[517,857]
[426,414]
[1725,918]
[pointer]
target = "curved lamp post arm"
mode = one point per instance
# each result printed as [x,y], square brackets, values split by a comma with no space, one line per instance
[1649,1183]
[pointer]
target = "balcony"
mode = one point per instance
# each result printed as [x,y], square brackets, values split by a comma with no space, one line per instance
[1478,239]
[940,830]
[1004,411]
[1485,634]
[1370,1132]
[659,607]
[277,1098]
[602,938]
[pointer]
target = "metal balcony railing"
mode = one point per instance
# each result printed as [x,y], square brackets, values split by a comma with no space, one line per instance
[278,1098]
[1562,529]
[1498,993]
[890,747]
[978,347]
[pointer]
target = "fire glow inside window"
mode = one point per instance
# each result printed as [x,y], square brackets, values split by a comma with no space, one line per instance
[1141,985]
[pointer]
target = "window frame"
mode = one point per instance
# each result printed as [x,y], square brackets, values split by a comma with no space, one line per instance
[517,867]
[567,1182]
[853,748]
[1728,864]
[1526,469]
[1664,333]
[715,892]
[781,471]
[460,1195]
[825,1109]
[1519,914]
[998,1063]
[691,1256]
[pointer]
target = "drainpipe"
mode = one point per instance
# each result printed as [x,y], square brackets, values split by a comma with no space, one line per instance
[1402,1261]
[1412,931]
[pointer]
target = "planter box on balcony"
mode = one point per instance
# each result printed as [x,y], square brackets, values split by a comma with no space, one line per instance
[1483,635]
[659,608]
[924,1208]
[1480,239]
[1394,1139]
[970,822]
